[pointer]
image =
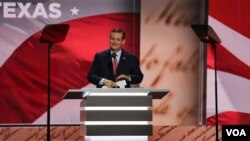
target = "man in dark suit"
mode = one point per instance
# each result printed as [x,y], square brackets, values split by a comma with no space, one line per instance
[115,64]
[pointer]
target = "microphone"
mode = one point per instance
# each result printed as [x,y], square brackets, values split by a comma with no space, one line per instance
[113,55]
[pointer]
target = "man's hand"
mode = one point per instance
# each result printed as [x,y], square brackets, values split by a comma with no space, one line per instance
[122,77]
[108,83]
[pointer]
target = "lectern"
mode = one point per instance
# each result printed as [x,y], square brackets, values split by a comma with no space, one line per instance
[113,112]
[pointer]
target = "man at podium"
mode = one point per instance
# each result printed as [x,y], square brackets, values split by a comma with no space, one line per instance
[115,65]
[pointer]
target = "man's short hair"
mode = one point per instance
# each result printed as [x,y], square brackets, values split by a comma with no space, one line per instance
[118,30]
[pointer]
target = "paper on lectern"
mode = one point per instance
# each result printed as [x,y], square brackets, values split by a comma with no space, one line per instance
[120,84]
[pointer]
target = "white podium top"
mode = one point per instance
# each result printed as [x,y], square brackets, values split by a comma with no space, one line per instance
[83,93]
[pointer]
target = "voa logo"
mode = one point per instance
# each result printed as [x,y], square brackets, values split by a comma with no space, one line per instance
[26,10]
[236,132]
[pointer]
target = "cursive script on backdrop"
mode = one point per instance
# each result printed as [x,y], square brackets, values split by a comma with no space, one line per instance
[172,63]
[62,133]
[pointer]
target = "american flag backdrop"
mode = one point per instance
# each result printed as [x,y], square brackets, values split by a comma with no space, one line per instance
[23,59]
[230,20]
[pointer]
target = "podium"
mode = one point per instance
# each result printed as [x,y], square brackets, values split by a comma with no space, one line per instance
[116,112]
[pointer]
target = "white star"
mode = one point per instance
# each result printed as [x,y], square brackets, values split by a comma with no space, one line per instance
[74,11]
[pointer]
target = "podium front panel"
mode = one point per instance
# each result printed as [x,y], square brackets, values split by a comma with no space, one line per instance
[119,101]
[119,130]
[116,112]
[120,115]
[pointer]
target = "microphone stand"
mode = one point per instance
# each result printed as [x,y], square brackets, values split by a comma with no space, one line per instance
[206,34]
[48,94]
[216,94]
[113,55]
[52,33]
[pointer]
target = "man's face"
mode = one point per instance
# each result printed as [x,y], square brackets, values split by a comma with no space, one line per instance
[116,41]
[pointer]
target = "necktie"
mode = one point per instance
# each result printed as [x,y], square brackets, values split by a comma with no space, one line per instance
[115,62]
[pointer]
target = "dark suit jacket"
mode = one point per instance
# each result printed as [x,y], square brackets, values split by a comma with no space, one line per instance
[102,68]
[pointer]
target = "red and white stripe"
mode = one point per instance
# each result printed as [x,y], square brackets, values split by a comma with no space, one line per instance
[233,60]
